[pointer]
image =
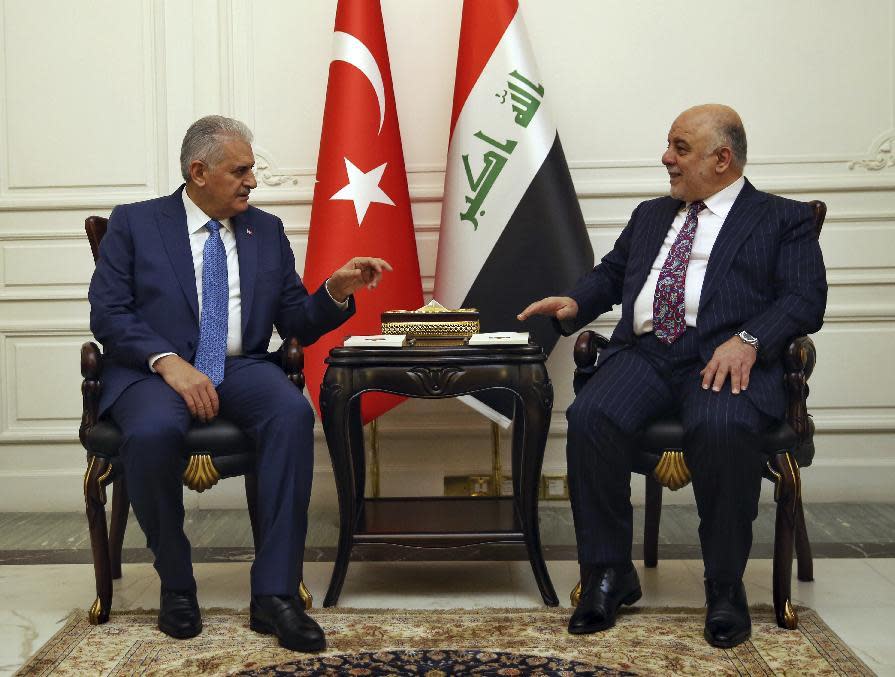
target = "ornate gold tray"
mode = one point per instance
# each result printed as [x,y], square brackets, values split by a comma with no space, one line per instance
[433,324]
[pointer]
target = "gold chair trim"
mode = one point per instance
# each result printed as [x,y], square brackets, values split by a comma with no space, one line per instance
[790,617]
[200,473]
[575,595]
[96,612]
[87,473]
[305,595]
[672,470]
[102,478]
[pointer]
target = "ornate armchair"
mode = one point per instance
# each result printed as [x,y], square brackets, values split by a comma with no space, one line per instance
[212,451]
[788,447]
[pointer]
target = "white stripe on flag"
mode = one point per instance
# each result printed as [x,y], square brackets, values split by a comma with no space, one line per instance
[462,249]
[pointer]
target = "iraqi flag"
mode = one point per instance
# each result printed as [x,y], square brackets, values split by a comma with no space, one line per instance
[511,227]
[361,204]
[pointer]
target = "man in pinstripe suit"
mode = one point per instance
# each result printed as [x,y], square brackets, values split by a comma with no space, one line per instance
[750,276]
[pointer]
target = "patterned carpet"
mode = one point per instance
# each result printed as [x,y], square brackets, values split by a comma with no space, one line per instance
[434,643]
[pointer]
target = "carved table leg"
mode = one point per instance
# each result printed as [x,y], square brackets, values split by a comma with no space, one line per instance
[537,403]
[653,514]
[98,470]
[787,493]
[335,404]
[118,523]
[358,460]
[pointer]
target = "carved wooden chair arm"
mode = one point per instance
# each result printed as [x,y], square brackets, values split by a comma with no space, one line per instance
[799,359]
[800,355]
[587,348]
[292,358]
[91,387]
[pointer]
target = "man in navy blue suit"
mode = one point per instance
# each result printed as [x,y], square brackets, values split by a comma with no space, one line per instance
[186,293]
[712,281]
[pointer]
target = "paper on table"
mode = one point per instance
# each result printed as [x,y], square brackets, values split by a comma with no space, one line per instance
[507,338]
[376,341]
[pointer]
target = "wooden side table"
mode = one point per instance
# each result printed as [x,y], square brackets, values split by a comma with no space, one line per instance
[435,372]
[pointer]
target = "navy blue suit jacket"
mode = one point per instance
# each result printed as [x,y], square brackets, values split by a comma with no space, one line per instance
[143,297]
[765,275]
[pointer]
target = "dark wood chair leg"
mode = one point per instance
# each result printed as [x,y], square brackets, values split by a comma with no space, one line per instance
[251,482]
[95,503]
[118,523]
[805,571]
[787,493]
[653,514]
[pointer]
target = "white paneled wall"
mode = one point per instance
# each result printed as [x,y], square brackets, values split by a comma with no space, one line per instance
[95,97]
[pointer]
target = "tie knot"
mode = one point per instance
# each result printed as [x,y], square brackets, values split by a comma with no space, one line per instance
[696,207]
[213,226]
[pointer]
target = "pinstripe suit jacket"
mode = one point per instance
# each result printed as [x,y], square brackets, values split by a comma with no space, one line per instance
[765,275]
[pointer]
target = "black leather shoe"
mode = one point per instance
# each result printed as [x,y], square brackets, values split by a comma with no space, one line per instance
[727,621]
[603,591]
[285,617]
[179,615]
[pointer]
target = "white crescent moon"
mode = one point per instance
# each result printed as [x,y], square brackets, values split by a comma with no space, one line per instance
[349,49]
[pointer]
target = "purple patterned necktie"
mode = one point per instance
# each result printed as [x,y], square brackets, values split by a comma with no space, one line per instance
[669,322]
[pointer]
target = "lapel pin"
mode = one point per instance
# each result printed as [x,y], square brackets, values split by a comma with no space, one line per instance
[249,231]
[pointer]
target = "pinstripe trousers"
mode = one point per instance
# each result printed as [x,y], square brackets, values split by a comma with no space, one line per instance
[722,431]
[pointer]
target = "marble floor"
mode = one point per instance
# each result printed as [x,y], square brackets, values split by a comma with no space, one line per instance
[856,597]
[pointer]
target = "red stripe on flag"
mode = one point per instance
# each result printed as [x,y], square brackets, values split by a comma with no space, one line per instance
[352,217]
[481,28]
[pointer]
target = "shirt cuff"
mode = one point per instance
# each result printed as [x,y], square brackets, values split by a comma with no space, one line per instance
[155,358]
[343,305]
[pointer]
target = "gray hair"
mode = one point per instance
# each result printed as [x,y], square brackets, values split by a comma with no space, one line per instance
[733,135]
[204,138]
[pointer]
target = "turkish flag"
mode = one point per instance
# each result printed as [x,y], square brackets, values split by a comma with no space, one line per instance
[361,203]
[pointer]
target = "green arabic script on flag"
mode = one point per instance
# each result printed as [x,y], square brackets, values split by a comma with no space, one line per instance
[525,106]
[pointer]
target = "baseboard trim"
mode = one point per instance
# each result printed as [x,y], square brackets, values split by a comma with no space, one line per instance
[394,553]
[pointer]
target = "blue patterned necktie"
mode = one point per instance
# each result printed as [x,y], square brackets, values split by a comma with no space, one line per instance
[669,321]
[212,350]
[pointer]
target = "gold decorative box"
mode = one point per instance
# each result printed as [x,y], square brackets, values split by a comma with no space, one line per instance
[433,324]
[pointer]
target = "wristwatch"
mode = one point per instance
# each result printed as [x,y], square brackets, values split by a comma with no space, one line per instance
[746,337]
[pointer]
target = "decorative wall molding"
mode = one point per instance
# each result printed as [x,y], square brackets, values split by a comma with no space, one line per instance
[268,174]
[38,193]
[884,156]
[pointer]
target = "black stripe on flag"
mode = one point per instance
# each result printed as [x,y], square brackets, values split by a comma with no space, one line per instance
[543,251]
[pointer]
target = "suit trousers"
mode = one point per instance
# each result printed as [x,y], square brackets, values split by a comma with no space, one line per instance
[258,397]
[721,446]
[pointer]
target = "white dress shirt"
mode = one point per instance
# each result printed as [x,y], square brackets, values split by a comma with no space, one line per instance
[711,218]
[196,220]
[198,234]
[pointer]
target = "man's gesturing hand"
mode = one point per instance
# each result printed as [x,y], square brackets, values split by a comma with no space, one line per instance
[560,307]
[358,272]
[733,357]
[191,384]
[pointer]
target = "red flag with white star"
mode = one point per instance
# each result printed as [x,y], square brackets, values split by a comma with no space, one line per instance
[361,203]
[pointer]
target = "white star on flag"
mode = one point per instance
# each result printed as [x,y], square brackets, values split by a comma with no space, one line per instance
[363,189]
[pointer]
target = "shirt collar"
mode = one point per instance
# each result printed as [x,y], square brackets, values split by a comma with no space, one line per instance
[721,202]
[196,218]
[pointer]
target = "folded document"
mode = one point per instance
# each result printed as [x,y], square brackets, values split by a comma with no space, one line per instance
[504,338]
[377,341]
